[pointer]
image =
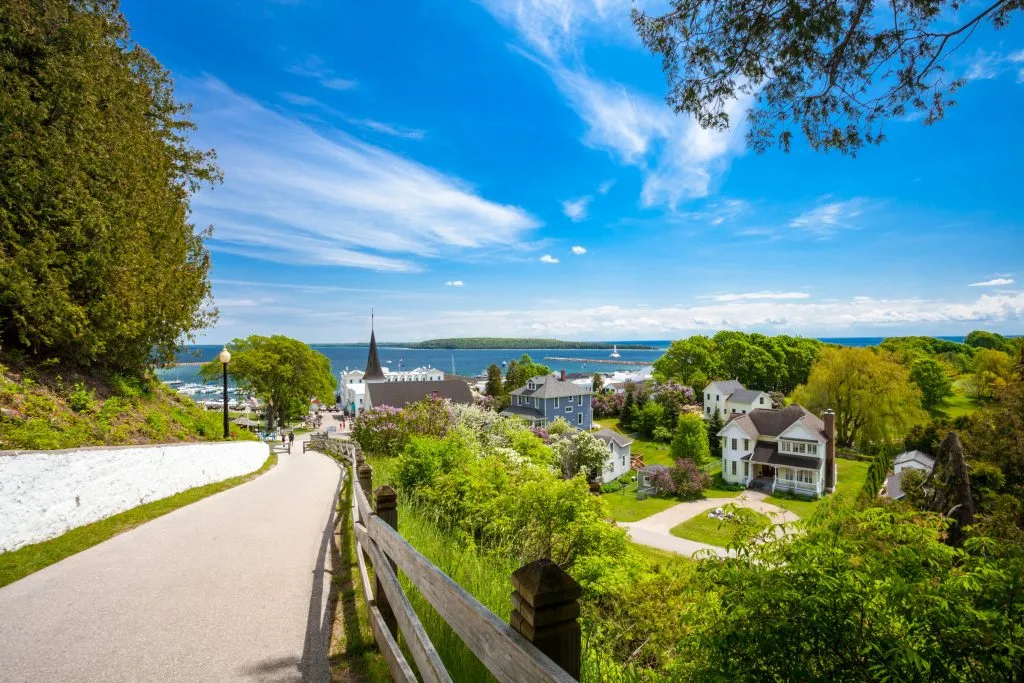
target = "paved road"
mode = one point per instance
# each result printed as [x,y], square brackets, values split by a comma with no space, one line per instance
[655,531]
[230,588]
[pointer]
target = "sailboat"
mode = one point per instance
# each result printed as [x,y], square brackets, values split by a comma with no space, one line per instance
[615,352]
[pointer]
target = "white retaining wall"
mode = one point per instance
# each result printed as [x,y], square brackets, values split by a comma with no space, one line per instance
[43,494]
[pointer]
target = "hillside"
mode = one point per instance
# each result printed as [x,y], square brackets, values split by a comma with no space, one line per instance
[41,410]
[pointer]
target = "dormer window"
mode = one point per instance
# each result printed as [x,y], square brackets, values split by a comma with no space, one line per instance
[761,400]
[531,385]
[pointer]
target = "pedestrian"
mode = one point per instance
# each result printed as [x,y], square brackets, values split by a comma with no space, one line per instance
[291,440]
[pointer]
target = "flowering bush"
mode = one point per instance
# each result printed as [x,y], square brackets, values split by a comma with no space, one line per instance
[660,477]
[688,479]
[381,431]
[607,404]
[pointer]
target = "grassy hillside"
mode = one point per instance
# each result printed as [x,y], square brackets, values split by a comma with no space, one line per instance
[42,410]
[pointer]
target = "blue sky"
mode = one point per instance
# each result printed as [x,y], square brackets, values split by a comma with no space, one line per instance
[510,168]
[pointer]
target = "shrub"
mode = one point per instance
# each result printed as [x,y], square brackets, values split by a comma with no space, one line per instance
[688,479]
[662,434]
[381,431]
[81,398]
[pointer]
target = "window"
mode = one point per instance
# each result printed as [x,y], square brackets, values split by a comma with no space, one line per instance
[579,418]
[734,468]
[708,410]
[813,449]
[734,447]
[789,475]
[746,468]
[724,440]
[531,385]
[579,400]
[805,476]
[520,400]
[568,409]
[717,396]
[556,402]
[623,459]
[746,444]
[761,400]
[709,397]
[744,412]
[734,410]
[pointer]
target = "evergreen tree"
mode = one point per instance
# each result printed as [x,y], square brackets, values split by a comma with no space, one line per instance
[715,425]
[494,387]
[597,383]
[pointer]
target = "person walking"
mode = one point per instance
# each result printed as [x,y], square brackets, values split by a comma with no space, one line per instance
[291,440]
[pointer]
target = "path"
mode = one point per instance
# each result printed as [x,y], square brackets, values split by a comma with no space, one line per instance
[656,531]
[233,587]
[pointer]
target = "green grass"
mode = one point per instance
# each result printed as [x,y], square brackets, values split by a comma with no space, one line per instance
[624,507]
[960,403]
[20,563]
[851,476]
[704,529]
[652,452]
[662,559]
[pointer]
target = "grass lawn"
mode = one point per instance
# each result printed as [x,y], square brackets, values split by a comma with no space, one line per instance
[624,507]
[704,529]
[652,452]
[19,563]
[959,404]
[850,480]
[662,559]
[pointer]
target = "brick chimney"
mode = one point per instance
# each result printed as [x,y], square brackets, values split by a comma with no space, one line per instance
[830,451]
[563,375]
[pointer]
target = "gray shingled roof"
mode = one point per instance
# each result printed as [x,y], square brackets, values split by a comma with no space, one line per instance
[401,394]
[915,456]
[774,421]
[523,411]
[607,435]
[767,453]
[728,386]
[549,386]
[744,395]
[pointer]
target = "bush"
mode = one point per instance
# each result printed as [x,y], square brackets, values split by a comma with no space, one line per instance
[721,484]
[381,431]
[613,486]
[662,434]
[81,399]
[688,479]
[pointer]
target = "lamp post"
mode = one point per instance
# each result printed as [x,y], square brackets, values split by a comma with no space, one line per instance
[225,358]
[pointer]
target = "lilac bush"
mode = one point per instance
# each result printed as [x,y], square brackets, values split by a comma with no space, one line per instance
[689,480]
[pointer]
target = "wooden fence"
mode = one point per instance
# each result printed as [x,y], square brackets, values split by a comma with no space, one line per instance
[542,642]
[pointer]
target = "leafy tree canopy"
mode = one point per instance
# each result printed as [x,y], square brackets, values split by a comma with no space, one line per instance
[836,72]
[691,440]
[278,369]
[932,379]
[99,264]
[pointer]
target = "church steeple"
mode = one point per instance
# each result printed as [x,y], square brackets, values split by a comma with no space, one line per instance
[373,372]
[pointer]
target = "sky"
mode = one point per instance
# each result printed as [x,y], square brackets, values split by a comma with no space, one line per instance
[510,168]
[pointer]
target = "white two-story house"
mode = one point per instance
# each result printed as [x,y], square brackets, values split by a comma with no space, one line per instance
[620,460]
[789,449]
[730,397]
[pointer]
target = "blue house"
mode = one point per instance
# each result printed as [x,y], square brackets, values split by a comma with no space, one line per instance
[545,398]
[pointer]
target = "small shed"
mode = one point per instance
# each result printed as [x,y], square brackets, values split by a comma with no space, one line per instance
[645,480]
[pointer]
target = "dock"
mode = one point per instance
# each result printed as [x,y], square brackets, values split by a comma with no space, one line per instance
[606,361]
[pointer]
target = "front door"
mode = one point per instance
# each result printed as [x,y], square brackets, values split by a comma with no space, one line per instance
[767,472]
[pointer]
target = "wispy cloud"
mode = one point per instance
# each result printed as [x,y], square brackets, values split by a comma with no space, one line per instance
[761,296]
[301,100]
[994,282]
[552,27]
[829,218]
[389,129]
[295,195]
[454,283]
[607,185]
[576,209]
[579,251]
[548,258]
[985,65]
[314,68]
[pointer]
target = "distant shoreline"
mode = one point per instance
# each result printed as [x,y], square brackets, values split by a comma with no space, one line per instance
[501,343]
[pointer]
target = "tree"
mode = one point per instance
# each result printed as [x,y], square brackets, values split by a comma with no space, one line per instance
[578,452]
[980,339]
[685,357]
[99,264]
[837,71]
[278,369]
[715,425]
[991,370]
[949,487]
[649,418]
[597,383]
[494,388]
[691,440]
[689,480]
[933,381]
[872,396]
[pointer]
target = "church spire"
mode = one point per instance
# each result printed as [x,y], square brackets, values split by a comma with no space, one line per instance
[373,372]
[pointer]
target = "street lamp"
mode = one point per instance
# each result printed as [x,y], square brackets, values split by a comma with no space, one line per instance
[225,358]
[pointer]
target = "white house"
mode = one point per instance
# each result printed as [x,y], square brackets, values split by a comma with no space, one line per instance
[789,449]
[908,460]
[619,460]
[729,397]
[427,374]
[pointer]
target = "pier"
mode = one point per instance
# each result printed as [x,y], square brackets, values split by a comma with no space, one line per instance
[606,361]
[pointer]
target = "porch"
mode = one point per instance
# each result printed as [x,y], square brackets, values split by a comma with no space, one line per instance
[767,478]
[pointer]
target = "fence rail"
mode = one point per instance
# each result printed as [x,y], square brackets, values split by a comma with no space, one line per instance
[542,642]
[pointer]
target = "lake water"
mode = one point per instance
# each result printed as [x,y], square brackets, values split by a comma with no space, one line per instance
[468,362]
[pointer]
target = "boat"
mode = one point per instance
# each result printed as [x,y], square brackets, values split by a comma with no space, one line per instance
[615,352]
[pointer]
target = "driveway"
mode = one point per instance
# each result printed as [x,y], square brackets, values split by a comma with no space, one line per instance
[655,531]
[231,588]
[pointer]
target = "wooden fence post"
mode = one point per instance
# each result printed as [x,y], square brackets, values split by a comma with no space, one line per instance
[545,610]
[385,503]
[365,474]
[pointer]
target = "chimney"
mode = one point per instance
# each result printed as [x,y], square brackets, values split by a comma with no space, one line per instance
[830,451]
[563,375]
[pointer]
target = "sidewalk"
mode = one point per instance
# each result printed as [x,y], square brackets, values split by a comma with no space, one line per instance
[232,587]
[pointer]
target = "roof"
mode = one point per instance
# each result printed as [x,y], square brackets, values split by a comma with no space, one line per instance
[727,386]
[767,453]
[915,456]
[745,395]
[401,394]
[373,369]
[650,469]
[523,411]
[774,421]
[607,435]
[549,386]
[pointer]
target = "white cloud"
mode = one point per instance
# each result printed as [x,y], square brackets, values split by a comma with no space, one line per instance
[548,258]
[987,65]
[994,282]
[579,251]
[605,186]
[753,296]
[552,27]
[314,68]
[614,322]
[295,195]
[454,283]
[576,209]
[301,100]
[339,83]
[829,218]
[388,129]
